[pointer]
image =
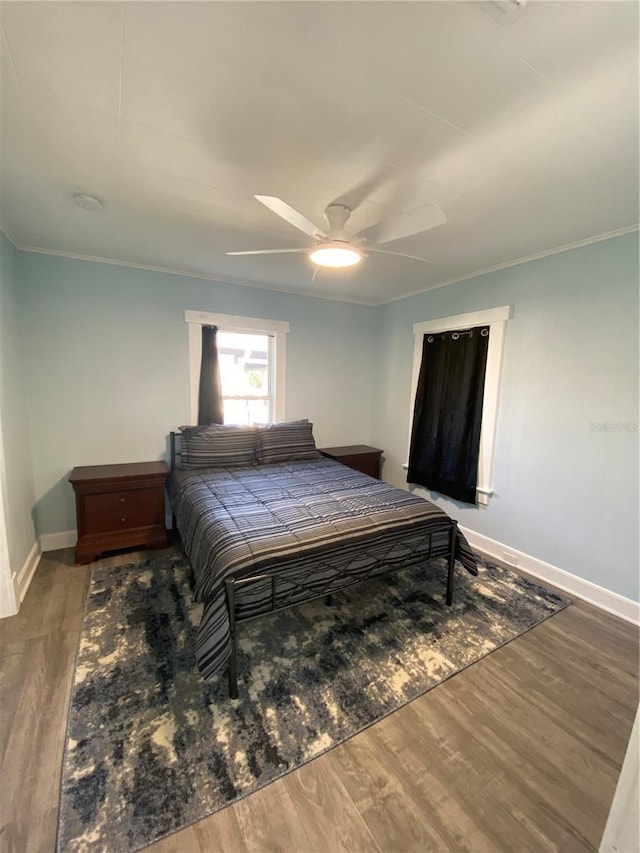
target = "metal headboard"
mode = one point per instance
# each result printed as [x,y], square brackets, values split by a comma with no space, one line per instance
[176,448]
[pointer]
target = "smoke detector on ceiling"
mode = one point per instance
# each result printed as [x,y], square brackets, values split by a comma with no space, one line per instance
[87,201]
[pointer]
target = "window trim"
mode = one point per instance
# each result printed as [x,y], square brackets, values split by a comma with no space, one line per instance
[276,330]
[496,319]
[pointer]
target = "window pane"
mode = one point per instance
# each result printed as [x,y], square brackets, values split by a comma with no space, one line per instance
[244,364]
[246,412]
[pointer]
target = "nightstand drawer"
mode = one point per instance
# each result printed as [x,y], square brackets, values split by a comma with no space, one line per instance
[119,506]
[121,510]
[365,463]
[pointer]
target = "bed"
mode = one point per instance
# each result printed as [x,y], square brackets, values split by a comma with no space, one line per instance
[264,531]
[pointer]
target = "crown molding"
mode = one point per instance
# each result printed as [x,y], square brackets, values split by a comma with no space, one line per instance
[567,247]
[10,237]
[36,250]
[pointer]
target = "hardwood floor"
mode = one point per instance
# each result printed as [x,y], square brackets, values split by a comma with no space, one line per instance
[519,752]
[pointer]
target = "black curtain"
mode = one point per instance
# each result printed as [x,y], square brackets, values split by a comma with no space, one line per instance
[210,409]
[447,417]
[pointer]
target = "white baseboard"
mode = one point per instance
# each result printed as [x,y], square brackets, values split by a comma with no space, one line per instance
[612,602]
[22,579]
[56,541]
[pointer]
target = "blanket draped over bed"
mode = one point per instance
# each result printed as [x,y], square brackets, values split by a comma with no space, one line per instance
[309,523]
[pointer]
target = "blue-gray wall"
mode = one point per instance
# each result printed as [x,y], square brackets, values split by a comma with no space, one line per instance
[108,365]
[19,495]
[567,493]
[107,378]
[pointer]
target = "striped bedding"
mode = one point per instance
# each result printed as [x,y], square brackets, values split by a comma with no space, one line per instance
[308,522]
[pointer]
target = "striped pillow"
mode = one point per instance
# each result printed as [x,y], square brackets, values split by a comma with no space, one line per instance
[217,446]
[286,442]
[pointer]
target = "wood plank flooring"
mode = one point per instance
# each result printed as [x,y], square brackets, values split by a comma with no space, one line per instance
[519,752]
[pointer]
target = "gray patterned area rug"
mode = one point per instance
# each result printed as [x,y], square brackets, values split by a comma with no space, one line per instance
[151,747]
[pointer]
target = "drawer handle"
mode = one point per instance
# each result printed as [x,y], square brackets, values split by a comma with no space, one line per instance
[122,500]
[123,519]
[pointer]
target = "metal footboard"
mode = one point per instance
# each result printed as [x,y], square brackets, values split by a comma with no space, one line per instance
[232,585]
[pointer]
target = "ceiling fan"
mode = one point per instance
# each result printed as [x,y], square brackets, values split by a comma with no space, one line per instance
[336,247]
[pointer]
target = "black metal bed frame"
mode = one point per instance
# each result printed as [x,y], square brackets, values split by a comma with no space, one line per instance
[233,584]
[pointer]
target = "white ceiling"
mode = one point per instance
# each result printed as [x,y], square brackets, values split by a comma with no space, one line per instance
[522,126]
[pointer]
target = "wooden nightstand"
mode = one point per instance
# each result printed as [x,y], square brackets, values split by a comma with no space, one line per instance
[119,506]
[360,457]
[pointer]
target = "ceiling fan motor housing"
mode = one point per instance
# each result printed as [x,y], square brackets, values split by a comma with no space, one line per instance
[337,216]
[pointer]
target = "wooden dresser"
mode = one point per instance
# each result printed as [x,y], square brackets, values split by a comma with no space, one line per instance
[360,457]
[119,506]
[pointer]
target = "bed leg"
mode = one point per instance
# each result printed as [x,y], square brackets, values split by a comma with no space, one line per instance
[452,559]
[233,668]
[233,676]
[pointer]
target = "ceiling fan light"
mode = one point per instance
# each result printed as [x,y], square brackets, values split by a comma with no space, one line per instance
[335,254]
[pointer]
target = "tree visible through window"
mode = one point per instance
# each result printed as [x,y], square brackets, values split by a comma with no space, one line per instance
[246,376]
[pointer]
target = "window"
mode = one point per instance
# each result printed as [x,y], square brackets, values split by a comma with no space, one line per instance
[246,377]
[251,354]
[496,319]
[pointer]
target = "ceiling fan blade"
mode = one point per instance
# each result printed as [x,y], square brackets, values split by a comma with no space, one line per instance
[405,225]
[397,254]
[269,252]
[292,216]
[354,197]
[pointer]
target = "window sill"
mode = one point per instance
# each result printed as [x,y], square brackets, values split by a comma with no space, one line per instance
[483,493]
